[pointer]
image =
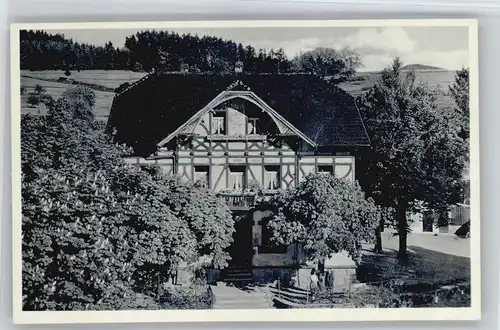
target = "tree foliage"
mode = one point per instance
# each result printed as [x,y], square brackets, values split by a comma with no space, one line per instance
[143,52]
[39,95]
[416,154]
[75,254]
[328,62]
[208,218]
[326,215]
[95,226]
[459,91]
[170,51]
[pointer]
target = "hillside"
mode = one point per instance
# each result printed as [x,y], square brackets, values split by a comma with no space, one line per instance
[421,67]
[436,80]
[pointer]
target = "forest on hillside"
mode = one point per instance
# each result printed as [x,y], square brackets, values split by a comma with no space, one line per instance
[149,50]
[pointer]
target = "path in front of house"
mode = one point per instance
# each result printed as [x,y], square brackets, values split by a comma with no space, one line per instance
[448,244]
[230,297]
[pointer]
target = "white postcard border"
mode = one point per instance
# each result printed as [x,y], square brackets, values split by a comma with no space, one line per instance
[241,315]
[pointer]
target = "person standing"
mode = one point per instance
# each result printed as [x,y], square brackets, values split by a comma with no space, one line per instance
[314,284]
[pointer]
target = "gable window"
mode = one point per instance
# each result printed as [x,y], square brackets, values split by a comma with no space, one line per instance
[325,169]
[219,123]
[252,126]
[201,174]
[272,177]
[237,178]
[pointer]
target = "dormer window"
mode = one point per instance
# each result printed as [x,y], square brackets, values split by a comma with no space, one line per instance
[219,123]
[252,126]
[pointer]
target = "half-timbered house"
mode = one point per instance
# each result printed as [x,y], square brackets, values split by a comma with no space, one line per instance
[238,131]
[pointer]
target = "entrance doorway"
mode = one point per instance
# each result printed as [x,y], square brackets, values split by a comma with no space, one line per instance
[241,250]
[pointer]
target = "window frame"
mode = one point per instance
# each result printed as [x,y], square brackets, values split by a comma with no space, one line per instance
[220,114]
[205,167]
[272,168]
[321,169]
[238,169]
[253,121]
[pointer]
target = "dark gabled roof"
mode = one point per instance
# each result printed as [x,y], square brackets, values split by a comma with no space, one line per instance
[149,111]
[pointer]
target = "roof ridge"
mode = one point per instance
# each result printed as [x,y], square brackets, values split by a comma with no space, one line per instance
[134,84]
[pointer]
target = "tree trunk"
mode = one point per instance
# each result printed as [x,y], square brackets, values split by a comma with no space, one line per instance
[378,236]
[402,223]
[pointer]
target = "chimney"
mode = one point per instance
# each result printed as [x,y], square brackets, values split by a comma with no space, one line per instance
[238,67]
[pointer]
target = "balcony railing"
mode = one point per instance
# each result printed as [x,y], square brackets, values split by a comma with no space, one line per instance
[243,200]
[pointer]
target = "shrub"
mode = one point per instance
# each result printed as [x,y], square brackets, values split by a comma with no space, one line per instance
[93,225]
[33,99]
[365,297]
[39,89]
[193,297]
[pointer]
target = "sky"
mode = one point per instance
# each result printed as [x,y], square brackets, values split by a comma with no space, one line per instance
[441,46]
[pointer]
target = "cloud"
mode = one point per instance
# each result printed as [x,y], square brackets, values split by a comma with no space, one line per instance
[375,45]
[387,40]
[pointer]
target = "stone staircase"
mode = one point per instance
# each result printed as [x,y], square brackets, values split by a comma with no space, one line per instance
[238,277]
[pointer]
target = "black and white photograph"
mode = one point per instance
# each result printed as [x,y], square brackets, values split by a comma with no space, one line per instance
[329,169]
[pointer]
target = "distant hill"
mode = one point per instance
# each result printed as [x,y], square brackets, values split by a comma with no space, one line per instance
[420,67]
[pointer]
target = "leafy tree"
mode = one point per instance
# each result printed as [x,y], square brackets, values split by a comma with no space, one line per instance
[33,99]
[39,89]
[74,226]
[328,62]
[75,251]
[39,95]
[162,239]
[43,51]
[416,155]
[66,136]
[386,220]
[94,227]
[459,91]
[207,216]
[326,215]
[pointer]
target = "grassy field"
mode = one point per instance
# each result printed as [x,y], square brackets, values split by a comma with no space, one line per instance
[110,79]
[101,109]
[435,80]
[432,259]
